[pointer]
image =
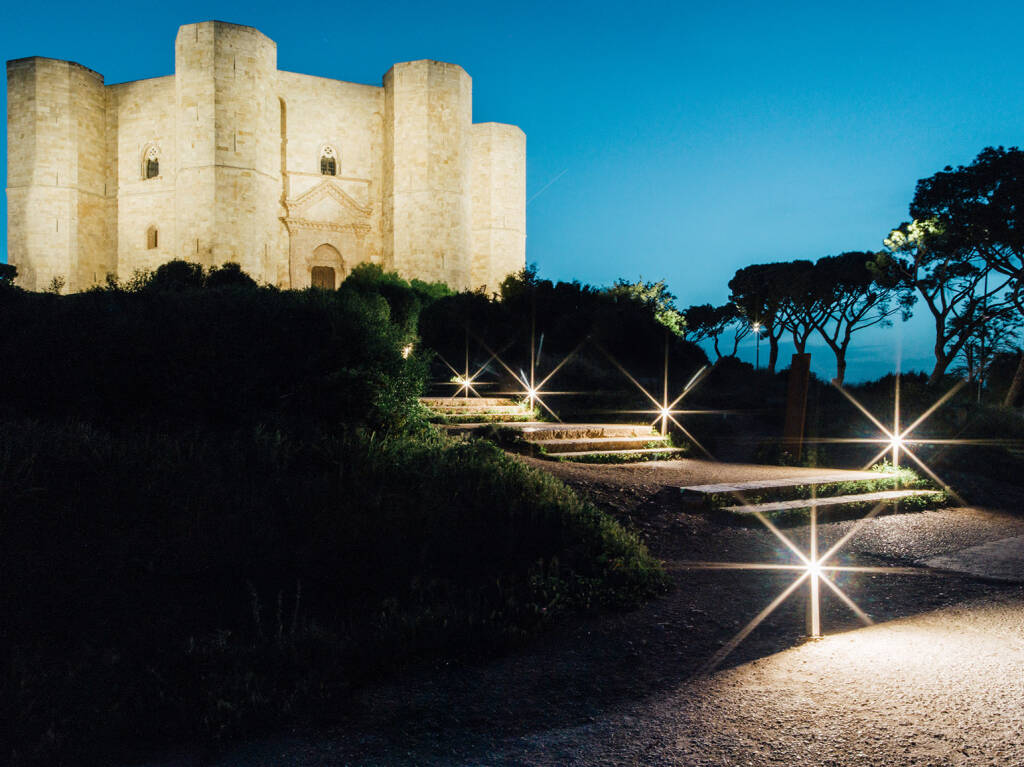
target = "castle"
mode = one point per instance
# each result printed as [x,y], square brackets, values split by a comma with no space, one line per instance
[296,178]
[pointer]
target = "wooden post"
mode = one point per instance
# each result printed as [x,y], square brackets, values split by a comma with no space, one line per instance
[796,404]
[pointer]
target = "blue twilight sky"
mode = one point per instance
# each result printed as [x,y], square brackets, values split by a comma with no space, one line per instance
[683,140]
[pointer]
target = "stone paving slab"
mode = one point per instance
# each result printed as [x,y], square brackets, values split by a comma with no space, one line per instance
[634,451]
[763,484]
[1002,560]
[585,444]
[467,401]
[836,500]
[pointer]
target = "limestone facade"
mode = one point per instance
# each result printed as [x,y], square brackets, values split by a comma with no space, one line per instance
[231,159]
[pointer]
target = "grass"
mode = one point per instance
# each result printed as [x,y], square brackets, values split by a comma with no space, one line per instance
[616,458]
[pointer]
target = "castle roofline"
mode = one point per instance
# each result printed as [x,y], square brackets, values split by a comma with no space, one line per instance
[140,80]
[425,61]
[218,23]
[25,60]
[330,79]
[494,124]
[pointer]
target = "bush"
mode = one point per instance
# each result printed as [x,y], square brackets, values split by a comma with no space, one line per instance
[221,508]
[169,351]
[159,586]
[405,299]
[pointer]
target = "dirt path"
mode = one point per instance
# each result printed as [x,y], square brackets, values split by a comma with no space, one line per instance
[937,681]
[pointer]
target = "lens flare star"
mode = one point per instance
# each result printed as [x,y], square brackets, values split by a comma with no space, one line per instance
[533,391]
[465,381]
[897,441]
[664,409]
[811,568]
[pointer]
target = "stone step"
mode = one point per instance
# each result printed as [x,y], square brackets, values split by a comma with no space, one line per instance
[836,500]
[459,401]
[456,410]
[757,484]
[483,419]
[550,431]
[600,444]
[468,427]
[576,456]
[765,484]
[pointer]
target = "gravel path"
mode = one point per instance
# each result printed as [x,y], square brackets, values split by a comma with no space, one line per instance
[942,688]
[937,681]
[1002,559]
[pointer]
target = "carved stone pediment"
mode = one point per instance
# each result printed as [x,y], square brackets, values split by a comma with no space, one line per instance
[326,206]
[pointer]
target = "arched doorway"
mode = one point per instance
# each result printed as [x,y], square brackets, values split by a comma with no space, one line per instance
[326,267]
[323,277]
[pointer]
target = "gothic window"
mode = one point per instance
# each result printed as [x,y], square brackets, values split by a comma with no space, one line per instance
[152,238]
[151,163]
[328,162]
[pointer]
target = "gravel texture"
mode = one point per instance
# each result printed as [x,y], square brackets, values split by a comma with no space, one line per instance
[997,559]
[938,680]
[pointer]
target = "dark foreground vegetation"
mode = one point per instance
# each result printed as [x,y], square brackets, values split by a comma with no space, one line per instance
[221,510]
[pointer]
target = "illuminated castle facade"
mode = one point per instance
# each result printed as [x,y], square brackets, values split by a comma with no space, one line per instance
[296,178]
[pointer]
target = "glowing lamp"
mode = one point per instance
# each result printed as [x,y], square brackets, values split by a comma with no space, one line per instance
[896,444]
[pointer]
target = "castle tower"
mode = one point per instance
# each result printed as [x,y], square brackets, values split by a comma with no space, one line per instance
[228,175]
[56,161]
[499,203]
[428,123]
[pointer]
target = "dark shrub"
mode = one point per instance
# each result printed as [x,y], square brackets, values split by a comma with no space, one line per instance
[214,356]
[161,586]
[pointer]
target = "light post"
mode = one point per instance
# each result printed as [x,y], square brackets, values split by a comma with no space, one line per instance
[756,327]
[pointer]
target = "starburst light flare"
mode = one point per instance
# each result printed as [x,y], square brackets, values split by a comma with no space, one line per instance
[811,568]
[533,391]
[665,410]
[815,568]
[464,380]
[897,441]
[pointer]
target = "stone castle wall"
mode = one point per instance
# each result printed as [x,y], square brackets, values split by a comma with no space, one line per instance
[498,202]
[141,115]
[417,187]
[430,115]
[56,172]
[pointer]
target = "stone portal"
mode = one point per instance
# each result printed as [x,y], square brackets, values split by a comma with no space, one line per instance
[323,277]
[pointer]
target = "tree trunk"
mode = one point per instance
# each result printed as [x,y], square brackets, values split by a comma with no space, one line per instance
[799,343]
[773,354]
[840,368]
[942,359]
[941,363]
[1013,393]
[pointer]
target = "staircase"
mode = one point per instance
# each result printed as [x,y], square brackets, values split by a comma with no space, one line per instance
[521,432]
[477,411]
[597,443]
[837,493]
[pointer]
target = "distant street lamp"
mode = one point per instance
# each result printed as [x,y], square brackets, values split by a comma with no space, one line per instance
[756,327]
